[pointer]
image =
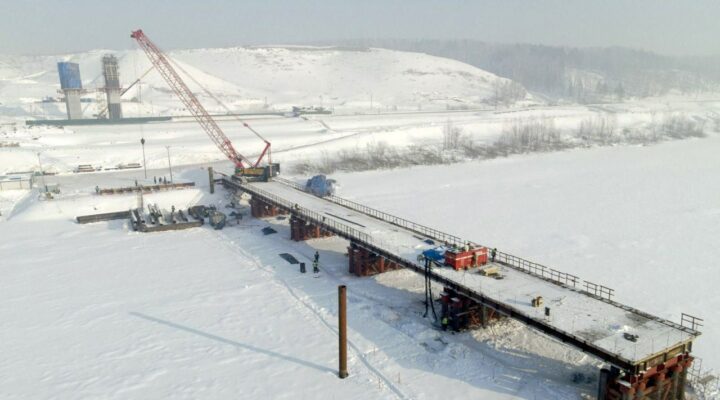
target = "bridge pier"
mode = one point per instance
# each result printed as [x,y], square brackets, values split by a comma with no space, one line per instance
[302,230]
[363,262]
[664,381]
[463,312]
[262,209]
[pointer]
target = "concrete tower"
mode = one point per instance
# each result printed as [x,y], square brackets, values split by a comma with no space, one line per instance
[112,86]
[71,86]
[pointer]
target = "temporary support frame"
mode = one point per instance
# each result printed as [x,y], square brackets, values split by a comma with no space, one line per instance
[666,381]
[262,209]
[302,230]
[364,262]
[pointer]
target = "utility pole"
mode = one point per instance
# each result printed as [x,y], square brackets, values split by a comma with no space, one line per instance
[342,331]
[42,174]
[142,142]
[169,165]
[212,180]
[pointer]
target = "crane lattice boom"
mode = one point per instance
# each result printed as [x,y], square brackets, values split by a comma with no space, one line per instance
[162,64]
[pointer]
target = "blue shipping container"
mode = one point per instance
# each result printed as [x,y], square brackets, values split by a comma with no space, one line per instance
[436,254]
[69,75]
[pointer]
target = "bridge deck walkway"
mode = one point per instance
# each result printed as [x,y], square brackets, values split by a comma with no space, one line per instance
[575,314]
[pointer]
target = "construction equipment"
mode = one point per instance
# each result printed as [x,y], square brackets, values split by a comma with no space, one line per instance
[217,219]
[536,301]
[320,186]
[253,170]
[492,270]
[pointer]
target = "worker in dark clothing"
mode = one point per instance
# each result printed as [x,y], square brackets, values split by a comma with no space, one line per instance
[316,269]
[155,179]
[444,323]
[493,253]
[317,257]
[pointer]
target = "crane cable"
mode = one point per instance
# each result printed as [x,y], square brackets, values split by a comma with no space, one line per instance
[210,94]
[139,105]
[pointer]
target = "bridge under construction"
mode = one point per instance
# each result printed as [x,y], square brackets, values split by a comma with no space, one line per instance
[647,357]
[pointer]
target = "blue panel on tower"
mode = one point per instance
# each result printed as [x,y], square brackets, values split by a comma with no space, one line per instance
[69,75]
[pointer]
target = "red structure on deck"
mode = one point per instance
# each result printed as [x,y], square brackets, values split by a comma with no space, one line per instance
[466,258]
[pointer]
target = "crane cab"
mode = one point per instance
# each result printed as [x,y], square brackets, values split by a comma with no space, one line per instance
[258,174]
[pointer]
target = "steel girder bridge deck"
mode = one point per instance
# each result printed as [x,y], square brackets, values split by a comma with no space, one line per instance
[648,356]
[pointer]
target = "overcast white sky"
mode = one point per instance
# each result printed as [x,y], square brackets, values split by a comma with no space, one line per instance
[59,26]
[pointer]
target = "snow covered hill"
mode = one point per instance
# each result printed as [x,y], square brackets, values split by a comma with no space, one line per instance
[251,78]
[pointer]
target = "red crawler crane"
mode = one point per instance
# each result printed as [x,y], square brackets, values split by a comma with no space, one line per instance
[162,64]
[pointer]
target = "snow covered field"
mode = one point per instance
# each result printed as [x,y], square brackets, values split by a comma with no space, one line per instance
[312,138]
[642,220]
[96,311]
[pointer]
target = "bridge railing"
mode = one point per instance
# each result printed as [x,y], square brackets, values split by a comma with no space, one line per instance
[441,236]
[532,268]
[311,216]
[538,270]
[527,266]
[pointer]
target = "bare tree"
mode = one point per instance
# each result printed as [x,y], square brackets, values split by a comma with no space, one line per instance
[451,136]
